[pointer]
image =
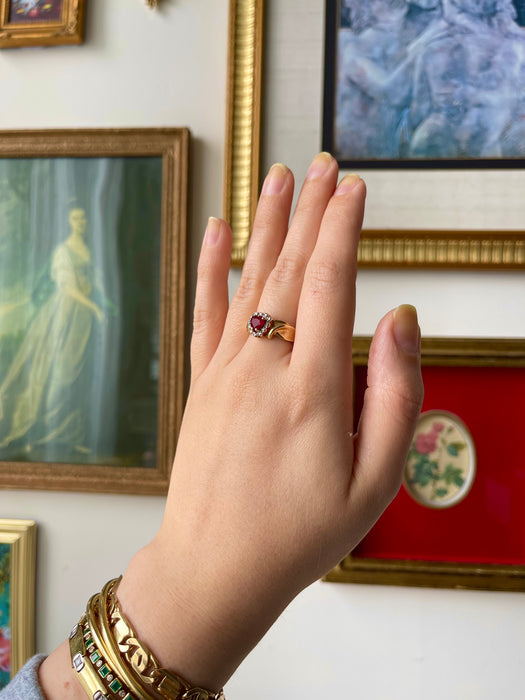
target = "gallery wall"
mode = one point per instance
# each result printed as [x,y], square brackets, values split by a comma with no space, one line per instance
[168,68]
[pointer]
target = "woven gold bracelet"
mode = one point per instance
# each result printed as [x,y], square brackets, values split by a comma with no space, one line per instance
[112,662]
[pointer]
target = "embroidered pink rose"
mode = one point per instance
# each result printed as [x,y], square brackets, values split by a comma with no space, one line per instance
[426,443]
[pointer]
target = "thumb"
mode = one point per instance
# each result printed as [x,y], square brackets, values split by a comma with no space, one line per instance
[392,404]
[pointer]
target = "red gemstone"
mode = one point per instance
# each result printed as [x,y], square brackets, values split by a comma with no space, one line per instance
[257,323]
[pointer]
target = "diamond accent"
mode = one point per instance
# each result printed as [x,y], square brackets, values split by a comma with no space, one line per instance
[78,663]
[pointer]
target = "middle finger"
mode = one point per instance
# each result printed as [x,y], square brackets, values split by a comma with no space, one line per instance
[280,296]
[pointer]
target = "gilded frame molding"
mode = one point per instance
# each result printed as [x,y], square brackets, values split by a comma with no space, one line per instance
[69,30]
[447,352]
[379,248]
[21,536]
[172,146]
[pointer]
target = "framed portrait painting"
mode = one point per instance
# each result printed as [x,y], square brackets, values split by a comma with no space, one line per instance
[17,595]
[41,22]
[283,54]
[424,82]
[92,299]
[457,519]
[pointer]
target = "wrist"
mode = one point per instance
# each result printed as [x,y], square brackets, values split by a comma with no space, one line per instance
[198,624]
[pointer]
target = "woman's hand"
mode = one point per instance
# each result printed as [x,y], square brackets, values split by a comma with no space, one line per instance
[269,488]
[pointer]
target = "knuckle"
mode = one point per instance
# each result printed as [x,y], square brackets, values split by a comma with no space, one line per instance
[304,399]
[324,276]
[202,317]
[405,402]
[289,268]
[248,286]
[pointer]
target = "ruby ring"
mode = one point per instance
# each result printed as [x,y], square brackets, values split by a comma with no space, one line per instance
[262,325]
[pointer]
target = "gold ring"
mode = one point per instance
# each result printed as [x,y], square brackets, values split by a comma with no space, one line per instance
[262,325]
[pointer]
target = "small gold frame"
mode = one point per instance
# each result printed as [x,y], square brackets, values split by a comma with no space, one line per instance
[446,352]
[68,30]
[172,146]
[379,248]
[21,536]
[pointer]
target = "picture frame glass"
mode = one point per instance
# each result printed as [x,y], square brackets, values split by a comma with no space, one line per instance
[411,200]
[80,264]
[424,83]
[482,527]
[28,12]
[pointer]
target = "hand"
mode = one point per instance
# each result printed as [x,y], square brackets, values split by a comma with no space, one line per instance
[269,490]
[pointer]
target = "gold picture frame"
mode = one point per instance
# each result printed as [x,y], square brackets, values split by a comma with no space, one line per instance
[139,230]
[42,24]
[17,593]
[452,360]
[490,249]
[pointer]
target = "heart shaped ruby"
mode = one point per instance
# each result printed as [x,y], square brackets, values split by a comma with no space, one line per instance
[257,323]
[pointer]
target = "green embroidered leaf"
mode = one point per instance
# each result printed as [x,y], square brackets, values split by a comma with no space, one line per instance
[424,472]
[441,492]
[453,475]
[455,448]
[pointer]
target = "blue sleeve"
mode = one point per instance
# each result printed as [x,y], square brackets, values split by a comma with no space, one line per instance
[24,685]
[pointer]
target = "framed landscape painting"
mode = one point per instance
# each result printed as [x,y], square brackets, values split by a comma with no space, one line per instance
[424,82]
[17,595]
[92,299]
[41,22]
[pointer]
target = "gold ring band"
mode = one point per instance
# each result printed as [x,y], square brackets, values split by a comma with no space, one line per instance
[262,325]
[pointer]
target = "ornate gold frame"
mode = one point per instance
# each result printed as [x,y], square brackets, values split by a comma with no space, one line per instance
[451,352]
[172,145]
[70,30]
[386,248]
[21,535]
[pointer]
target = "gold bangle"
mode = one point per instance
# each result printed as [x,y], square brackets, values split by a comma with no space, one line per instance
[112,648]
[111,661]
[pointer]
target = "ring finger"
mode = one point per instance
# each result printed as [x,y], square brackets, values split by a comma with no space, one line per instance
[281,292]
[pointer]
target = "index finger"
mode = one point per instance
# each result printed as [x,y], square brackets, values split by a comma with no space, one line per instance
[325,319]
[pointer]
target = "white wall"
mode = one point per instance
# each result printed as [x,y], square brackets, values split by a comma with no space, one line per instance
[140,68]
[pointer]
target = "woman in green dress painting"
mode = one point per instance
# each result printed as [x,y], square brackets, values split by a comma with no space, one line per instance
[42,398]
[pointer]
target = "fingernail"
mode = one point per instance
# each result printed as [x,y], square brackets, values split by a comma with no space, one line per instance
[319,165]
[407,333]
[213,229]
[275,179]
[347,183]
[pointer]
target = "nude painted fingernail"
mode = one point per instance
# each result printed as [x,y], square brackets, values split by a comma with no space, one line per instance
[319,165]
[348,183]
[213,229]
[275,179]
[407,333]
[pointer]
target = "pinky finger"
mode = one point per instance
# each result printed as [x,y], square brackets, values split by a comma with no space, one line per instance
[211,296]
